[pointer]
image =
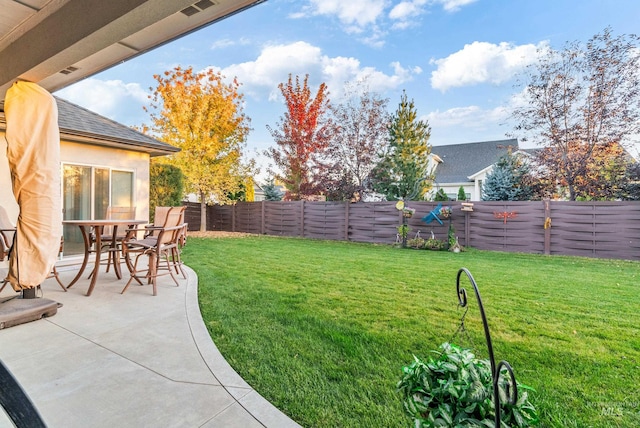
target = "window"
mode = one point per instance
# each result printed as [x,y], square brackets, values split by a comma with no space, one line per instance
[87,192]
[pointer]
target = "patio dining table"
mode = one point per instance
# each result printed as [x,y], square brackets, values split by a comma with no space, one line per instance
[97,227]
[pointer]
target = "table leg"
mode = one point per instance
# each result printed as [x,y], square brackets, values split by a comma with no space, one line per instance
[87,244]
[115,252]
[98,229]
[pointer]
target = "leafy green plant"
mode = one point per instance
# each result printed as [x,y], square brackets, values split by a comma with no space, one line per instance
[456,390]
[451,236]
[434,244]
[403,231]
[417,243]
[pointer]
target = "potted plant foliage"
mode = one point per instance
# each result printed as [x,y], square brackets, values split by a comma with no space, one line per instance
[455,389]
[417,243]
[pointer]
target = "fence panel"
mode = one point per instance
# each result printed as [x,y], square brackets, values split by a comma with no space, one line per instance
[374,222]
[220,218]
[325,220]
[248,217]
[192,215]
[596,229]
[283,218]
[508,226]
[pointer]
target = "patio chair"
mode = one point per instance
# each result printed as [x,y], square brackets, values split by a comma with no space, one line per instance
[157,250]
[7,232]
[114,213]
[160,221]
[5,253]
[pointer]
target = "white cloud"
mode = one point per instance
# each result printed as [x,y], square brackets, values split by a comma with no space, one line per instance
[454,5]
[225,43]
[105,97]
[355,14]
[260,78]
[470,117]
[404,12]
[482,62]
[371,19]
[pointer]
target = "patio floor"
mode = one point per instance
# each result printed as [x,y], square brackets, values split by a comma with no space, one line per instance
[132,360]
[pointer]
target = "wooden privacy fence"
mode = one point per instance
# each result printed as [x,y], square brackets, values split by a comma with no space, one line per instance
[591,229]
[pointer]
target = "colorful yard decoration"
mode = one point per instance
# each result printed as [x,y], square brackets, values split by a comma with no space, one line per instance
[505,215]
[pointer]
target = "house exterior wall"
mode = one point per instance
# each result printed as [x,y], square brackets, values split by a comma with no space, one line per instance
[89,155]
[86,154]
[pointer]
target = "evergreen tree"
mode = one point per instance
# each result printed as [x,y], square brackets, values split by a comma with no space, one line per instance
[462,195]
[403,172]
[271,192]
[507,181]
[441,196]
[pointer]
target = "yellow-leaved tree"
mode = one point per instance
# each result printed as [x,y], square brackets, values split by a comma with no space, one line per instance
[203,116]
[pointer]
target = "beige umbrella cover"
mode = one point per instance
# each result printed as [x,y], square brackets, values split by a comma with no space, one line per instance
[33,151]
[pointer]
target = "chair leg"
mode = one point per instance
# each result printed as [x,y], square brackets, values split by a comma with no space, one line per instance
[54,272]
[134,274]
[153,271]
[4,284]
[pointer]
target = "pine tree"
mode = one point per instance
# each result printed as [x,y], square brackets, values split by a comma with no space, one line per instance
[507,181]
[441,196]
[271,192]
[462,195]
[403,173]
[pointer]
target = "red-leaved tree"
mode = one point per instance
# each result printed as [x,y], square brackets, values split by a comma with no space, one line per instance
[302,136]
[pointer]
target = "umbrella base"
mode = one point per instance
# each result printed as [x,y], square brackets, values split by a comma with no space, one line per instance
[15,310]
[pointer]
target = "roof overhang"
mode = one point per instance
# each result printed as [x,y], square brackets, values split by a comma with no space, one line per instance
[58,42]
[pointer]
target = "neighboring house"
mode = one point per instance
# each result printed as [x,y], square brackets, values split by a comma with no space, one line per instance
[467,165]
[103,163]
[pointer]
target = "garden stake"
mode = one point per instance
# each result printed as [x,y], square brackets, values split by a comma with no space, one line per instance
[495,370]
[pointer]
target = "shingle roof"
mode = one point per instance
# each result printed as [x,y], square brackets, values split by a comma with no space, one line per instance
[76,120]
[459,161]
[91,128]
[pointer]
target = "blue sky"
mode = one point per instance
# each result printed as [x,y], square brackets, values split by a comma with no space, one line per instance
[457,59]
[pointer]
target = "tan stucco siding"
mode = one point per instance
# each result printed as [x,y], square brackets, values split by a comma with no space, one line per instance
[89,155]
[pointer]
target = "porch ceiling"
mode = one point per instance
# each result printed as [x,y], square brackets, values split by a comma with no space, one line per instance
[58,42]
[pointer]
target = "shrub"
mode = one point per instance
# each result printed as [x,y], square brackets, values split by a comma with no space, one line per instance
[456,390]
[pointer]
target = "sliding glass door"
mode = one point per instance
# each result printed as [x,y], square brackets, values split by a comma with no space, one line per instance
[87,192]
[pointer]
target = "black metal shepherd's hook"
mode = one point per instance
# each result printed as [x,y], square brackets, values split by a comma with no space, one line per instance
[495,371]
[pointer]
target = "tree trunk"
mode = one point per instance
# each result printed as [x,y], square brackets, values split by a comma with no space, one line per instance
[203,213]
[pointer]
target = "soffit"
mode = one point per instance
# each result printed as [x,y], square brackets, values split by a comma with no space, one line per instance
[58,42]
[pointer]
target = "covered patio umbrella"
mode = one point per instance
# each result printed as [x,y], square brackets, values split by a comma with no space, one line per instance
[33,151]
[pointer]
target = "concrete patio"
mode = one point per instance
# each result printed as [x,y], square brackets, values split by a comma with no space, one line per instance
[132,360]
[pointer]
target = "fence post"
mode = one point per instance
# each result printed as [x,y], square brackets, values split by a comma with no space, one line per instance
[467,225]
[262,226]
[547,226]
[233,217]
[302,218]
[346,220]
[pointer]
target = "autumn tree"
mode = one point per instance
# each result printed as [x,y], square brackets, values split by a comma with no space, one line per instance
[404,172]
[578,98]
[203,116]
[361,134]
[603,177]
[301,136]
[630,189]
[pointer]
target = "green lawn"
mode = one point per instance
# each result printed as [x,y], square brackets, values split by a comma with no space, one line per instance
[322,329]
